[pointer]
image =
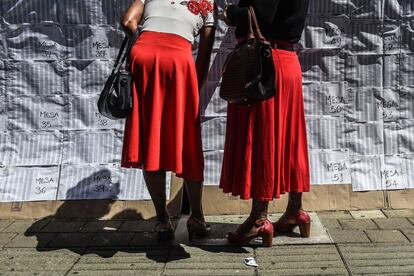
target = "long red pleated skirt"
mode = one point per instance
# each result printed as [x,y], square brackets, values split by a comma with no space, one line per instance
[163,130]
[266,151]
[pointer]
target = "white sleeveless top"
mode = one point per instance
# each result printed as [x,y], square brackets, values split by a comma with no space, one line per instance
[181,17]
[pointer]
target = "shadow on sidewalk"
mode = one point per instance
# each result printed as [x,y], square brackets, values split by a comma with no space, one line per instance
[90,236]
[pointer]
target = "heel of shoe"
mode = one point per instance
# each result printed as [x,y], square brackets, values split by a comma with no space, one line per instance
[305,229]
[197,227]
[267,240]
[164,230]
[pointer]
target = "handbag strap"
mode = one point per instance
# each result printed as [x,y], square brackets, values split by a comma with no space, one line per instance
[123,55]
[131,41]
[250,33]
[121,51]
[252,18]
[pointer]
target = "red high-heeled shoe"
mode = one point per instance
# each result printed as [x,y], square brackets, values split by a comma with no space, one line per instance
[263,229]
[289,221]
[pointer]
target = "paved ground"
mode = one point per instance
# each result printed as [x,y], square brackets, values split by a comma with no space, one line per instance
[342,243]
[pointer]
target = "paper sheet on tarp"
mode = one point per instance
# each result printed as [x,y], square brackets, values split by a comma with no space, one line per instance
[329,99]
[364,70]
[363,9]
[212,166]
[393,173]
[393,9]
[406,136]
[407,36]
[3,113]
[28,183]
[211,105]
[366,36]
[330,166]
[406,70]
[84,114]
[3,43]
[214,132]
[42,41]
[391,138]
[391,37]
[33,148]
[91,42]
[406,102]
[364,105]
[326,132]
[323,32]
[323,65]
[408,161]
[29,77]
[29,11]
[366,139]
[366,173]
[34,112]
[133,186]
[391,71]
[86,77]
[89,181]
[99,147]
[88,12]
[380,172]
[328,7]
[389,105]
[4,142]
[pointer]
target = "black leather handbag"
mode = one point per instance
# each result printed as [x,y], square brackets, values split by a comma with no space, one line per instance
[115,100]
[249,71]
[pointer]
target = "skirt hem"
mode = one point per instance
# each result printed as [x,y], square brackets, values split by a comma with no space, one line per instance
[137,165]
[264,198]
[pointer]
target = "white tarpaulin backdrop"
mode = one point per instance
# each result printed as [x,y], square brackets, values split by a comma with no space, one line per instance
[358,65]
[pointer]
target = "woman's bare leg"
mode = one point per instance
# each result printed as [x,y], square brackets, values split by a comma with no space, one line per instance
[155,181]
[195,197]
[294,203]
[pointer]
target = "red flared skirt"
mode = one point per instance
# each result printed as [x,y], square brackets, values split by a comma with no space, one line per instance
[266,151]
[163,131]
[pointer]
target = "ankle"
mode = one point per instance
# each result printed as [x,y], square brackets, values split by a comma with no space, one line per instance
[294,209]
[165,217]
[253,221]
[198,214]
[197,217]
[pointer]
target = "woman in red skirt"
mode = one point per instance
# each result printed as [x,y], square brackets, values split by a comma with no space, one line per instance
[266,152]
[163,131]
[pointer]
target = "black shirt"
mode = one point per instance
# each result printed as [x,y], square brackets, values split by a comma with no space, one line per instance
[278,19]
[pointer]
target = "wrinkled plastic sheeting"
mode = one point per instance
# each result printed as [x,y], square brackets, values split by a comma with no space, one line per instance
[55,55]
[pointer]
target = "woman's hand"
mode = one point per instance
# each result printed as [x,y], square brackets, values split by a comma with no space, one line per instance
[132,17]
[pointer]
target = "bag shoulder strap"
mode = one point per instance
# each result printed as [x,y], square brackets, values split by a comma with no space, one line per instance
[121,51]
[123,54]
[252,17]
[250,33]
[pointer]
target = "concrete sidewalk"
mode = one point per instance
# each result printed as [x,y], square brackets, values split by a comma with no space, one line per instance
[377,242]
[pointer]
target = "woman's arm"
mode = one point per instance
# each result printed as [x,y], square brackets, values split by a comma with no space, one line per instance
[204,53]
[132,17]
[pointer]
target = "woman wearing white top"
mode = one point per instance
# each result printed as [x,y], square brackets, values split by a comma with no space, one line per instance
[163,131]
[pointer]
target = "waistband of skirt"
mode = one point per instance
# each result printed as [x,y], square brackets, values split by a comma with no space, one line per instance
[278,45]
[164,40]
